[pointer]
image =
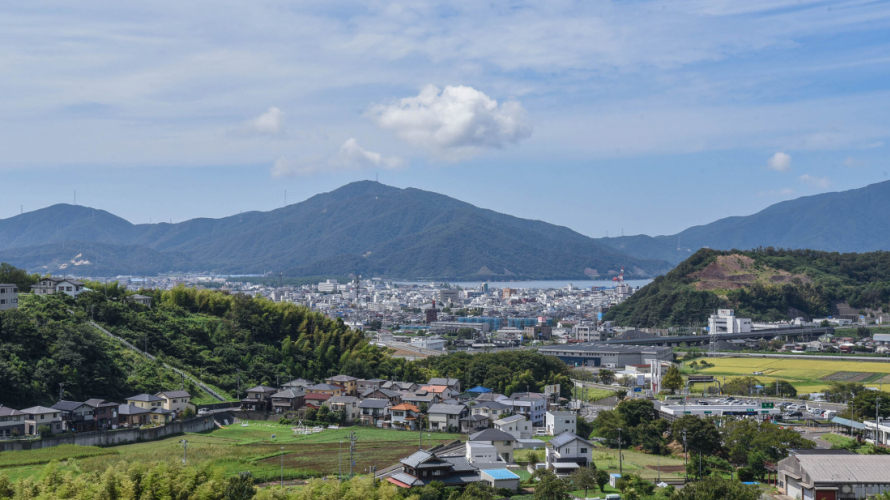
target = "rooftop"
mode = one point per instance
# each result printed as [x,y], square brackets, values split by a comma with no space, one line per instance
[499,474]
[144,398]
[491,435]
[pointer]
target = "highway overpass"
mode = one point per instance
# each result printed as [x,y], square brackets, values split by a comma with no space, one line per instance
[804,334]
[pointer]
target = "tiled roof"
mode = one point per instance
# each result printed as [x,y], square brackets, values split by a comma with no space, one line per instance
[406,406]
[374,403]
[342,378]
[37,410]
[147,398]
[491,435]
[67,405]
[443,381]
[132,410]
[263,389]
[289,394]
[566,438]
[446,409]
[174,394]
[324,387]
[846,469]
[343,399]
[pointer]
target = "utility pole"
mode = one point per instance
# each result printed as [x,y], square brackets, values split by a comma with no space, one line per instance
[185,445]
[685,454]
[238,370]
[282,468]
[352,440]
[341,462]
[61,390]
[877,418]
[620,462]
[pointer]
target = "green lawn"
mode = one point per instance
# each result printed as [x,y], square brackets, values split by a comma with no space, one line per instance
[236,449]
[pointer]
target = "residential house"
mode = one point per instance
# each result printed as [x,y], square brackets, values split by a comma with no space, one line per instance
[473,423]
[12,422]
[330,389]
[484,455]
[41,415]
[288,400]
[500,479]
[299,384]
[9,296]
[424,467]
[567,452]
[504,443]
[517,426]
[444,417]
[316,400]
[394,397]
[371,383]
[349,384]
[76,416]
[395,385]
[162,416]
[488,397]
[177,401]
[404,416]
[49,286]
[421,398]
[532,405]
[374,411]
[146,401]
[130,415]
[104,413]
[443,391]
[348,405]
[258,398]
[558,422]
[452,383]
[491,409]
[833,475]
[141,299]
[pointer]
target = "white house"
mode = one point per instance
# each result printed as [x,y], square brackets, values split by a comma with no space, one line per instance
[36,416]
[49,286]
[434,342]
[444,417]
[9,296]
[567,452]
[726,322]
[516,425]
[504,443]
[557,422]
[483,455]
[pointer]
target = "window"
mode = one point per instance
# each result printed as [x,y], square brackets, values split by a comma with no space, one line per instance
[583,450]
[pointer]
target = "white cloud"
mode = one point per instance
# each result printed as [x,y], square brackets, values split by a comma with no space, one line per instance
[350,157]
[820,182]
[269,123]
[777,192]
[456,122]
[780,161]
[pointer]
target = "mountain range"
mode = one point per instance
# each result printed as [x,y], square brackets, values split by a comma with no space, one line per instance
[371,229]
[364,228]
[857,220]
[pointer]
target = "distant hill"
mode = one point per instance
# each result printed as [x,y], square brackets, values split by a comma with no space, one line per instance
[849,221]
[364,227]
[766,285]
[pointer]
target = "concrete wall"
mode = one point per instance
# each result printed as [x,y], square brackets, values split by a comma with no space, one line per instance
[111,438]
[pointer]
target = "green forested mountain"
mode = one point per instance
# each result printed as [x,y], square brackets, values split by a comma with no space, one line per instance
[857,220]
[364,228]
[215,336]
[764,284]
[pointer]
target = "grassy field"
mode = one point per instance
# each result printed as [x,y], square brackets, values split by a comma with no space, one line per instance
[642,464]
[236,449]
[805,375]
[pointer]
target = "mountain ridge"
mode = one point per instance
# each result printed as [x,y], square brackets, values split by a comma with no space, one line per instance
[363,227]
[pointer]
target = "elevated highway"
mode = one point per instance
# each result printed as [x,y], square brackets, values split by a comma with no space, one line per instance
[790,333]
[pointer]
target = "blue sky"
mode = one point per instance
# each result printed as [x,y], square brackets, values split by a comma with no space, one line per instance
[646,117]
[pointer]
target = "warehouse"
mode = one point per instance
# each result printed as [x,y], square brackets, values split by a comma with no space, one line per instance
[607,355]
[833,474]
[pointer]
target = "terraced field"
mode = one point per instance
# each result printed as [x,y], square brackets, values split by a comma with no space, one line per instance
[805,375]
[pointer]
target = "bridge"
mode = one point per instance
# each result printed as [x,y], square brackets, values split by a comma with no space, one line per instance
[769,334]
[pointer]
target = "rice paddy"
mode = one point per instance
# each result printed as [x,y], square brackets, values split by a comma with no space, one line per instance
[806,375]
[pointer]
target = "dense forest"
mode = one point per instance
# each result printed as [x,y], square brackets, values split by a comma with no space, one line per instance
[776,285]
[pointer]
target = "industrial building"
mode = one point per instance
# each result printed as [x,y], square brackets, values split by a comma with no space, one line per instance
[760,410]
[726,322]
[607,355]
[833,475]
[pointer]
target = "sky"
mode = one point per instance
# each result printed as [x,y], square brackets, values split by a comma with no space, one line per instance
[607,117]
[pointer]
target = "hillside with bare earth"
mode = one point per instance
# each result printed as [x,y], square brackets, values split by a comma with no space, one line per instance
[764,284]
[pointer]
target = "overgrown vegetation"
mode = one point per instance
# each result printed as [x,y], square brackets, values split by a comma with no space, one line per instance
[862,280]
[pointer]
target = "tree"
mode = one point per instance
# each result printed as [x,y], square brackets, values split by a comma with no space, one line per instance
[240,487]
[602,479]
[741,385]
[701,434]
[311,414]
[607,376]
[672,380]
[44,430]
[841,392]
[584,478]
[741,437]
[18,277]
[633,482]
[549,486]
[636,411]
[863,405]
[717,488]
[533,457]
[607,424]
[780,388]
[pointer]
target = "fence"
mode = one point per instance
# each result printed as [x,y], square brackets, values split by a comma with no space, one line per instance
[112,438]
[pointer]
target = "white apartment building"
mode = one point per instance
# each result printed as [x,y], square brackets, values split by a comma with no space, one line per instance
[9,296]
[726,322]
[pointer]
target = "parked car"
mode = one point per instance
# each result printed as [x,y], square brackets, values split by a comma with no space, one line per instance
[794,414]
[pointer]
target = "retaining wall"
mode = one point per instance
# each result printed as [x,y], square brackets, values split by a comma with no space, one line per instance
[111,438]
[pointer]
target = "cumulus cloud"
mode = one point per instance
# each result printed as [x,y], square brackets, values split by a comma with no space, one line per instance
[455,122]
[350,157]
[780,161]
[269,123]
[820,182]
